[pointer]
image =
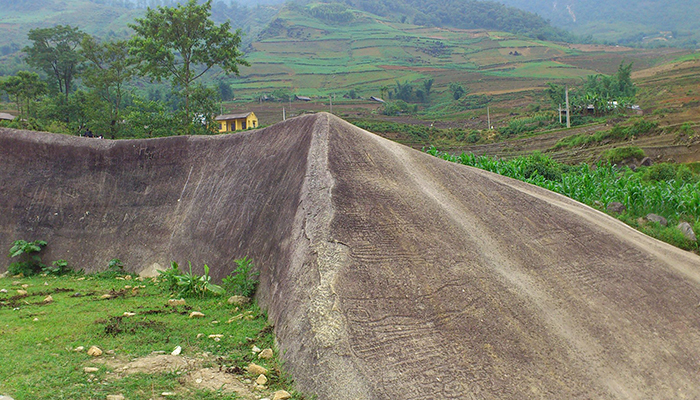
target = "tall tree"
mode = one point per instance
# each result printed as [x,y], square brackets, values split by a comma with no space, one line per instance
[109,69]
[182,44]
[24,88]
[55,51]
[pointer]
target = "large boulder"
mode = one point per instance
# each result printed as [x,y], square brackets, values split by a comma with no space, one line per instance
[387,273]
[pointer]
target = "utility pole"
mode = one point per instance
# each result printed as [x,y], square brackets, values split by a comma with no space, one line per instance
[488,116]
[559,113]
[284,114]
[568,110]
[330,97]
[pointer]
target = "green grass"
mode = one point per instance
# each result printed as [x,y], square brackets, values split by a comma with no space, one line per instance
[41,337]
[670,191]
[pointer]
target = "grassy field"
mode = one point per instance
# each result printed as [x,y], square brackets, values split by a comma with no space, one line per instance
[48,323]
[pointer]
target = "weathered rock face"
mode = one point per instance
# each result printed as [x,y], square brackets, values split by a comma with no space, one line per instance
[388,273]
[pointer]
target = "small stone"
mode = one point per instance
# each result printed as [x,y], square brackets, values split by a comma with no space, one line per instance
[16,283]
[46,284]
[238,300]
[21,292]
[199,335]
[266,354]
[215,336]
[196,314]
[127,287]
[262,380]
[175,303]
[35,319]
[115,397]
[281,395]
[48,299]
[106,296]
[3,290]
[256,349]
[94,351]
[128,277]
[687,230]
[128,314]
[199,380]
[168,394]
[6,398]
[255,369]
[25,286]
[616,207]
[79,349]
[177,351]
[90,370]
[110,352]
[657,218]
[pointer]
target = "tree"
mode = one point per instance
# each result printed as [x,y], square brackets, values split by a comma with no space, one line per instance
[225,91]
[24,88]
[108,70]
[55,51]
[457,90]
[182,44]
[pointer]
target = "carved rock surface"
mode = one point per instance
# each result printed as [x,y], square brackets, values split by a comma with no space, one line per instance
[388,273]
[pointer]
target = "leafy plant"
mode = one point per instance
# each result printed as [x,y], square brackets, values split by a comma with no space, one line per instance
[29,261]
[189,283]
[115,268]
[58,267]
[242,281]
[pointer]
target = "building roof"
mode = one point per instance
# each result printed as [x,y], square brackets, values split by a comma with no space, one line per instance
[7,116]
[232,116]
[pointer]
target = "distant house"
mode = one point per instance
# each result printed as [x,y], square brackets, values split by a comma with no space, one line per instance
[302,98]
[237,122]
[6,117]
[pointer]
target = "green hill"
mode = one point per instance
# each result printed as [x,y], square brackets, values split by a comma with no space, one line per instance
[650,22]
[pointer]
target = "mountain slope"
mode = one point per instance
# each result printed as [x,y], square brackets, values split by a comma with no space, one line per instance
[674,22]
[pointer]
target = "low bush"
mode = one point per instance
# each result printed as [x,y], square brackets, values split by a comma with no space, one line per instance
[616,155]
[243,281]
[29,261]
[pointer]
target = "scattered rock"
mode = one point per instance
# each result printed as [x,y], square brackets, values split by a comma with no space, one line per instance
[281,395]
[106,296]
[168,394]
[215,336]
[175,303]
[256,349]
[616,207]
[21,292]
[3,290]
[115,397]
[36,320]
[598,204]
[177,351]
[48,299]
[6,398]
[25,286]
[687,230]
[196,314]
[90,370]
[262,380]
[657,218]
[646,162]
[16,283]
[128,314]
[94,351]
[79,349]
[266,354]
[199,335]
[238,300]
[127,278]
[255,369]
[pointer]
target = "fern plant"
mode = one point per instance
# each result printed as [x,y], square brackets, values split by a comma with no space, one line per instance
[242,281]
[29,260]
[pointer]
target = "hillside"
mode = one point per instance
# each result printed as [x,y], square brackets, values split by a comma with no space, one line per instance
[314,56]
[648,22]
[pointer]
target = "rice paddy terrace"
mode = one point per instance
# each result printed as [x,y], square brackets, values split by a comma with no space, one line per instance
[311,57]
[387,273]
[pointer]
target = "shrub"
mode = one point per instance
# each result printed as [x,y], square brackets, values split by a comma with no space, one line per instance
[189,283]
[58,267]
[29,260]
[614,156]
[243,281]
[115,268]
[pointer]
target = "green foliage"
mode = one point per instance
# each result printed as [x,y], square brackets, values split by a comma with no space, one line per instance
[29,260]
[457,90]
[58,268]
[617,133]
[243,281]
[24,88]
[182,44]
[115,268]
[520,126]
[188,283]
[398,107]
[614,156]
[55,51]
[331,12]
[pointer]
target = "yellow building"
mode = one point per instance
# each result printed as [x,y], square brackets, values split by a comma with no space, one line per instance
[236,122]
